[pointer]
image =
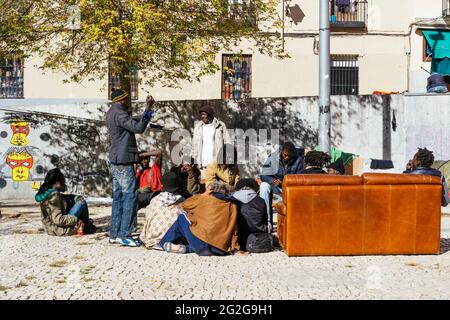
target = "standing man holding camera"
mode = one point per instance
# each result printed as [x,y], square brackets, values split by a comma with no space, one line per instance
[123,155]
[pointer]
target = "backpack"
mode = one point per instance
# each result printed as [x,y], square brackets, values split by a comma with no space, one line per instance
[260,243]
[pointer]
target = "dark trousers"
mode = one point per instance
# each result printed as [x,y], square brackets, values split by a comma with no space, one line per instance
[144,198]
[181,229]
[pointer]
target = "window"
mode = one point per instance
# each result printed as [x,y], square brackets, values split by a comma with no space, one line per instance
[427,55]
[11,78]
[236,76]
[114,83]
[344,75]
[446,8]
[242,11]
[348,13]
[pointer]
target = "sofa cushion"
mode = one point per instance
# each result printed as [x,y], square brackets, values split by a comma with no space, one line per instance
[398,179]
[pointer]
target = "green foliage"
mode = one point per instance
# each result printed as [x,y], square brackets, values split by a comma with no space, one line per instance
[166,40]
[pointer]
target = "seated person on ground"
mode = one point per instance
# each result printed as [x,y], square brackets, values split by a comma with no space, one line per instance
[224,168]
[252,213]
[162,211]
[315,161]
[336,168]
[421,164]
[208,223]
[62,214]
[148,179]
[289,160]
[436,84]
[190,178]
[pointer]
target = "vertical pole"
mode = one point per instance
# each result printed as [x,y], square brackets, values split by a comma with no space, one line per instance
[324,77]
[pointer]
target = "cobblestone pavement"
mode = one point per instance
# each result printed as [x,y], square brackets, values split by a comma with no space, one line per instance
[36,266]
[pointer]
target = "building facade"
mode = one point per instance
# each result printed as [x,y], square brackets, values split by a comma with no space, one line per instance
[376,45]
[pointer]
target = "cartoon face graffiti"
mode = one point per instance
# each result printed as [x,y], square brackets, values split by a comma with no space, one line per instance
[20,130]
[20,163]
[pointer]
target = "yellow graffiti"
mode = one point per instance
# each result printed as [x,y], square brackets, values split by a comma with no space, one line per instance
[35,185]
[20,163]
[20,130]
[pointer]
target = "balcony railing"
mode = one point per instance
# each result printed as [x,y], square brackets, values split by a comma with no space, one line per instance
[446,8]
[348,13]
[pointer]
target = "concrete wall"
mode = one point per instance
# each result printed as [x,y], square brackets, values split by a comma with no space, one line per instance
[378,127]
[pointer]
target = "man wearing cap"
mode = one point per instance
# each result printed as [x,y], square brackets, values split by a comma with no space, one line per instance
[210,134]
[123,155]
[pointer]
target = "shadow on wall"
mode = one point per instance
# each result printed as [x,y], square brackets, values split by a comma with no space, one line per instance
[80,146]
[77,147]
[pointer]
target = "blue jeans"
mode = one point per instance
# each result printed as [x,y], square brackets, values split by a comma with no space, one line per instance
[80,210]
[124,201]
[181,229]
[438,89]
[267,191]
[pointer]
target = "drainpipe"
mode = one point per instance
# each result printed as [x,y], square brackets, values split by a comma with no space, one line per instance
[324,77]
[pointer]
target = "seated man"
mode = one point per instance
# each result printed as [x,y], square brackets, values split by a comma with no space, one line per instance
[207,223]
[421,164]
[336,168]
[148,179]
[436,84]
[190,178]
[252,213]
[315,161]
[289,160]
[162,211]
[225,168]
[62,214]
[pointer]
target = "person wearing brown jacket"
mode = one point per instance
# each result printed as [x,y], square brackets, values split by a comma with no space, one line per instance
[62,214]
[224,168]
[208,223]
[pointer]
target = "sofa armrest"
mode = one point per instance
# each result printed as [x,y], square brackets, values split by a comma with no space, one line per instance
[280,208]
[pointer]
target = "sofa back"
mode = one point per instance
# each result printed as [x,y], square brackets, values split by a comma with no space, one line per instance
[352,215]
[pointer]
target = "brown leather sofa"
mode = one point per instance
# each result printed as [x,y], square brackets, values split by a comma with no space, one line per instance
[352,215]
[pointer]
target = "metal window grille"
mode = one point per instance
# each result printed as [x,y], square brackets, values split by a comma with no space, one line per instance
[344,75]
[446,8]
[114,83]
[242,11]
[348,13]
[11,77]
[236,76]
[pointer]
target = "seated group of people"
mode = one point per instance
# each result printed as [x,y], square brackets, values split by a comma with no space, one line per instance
[213,216]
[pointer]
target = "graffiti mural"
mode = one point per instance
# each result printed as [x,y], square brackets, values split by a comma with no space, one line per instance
[20,130]
[20,156]
[20,161]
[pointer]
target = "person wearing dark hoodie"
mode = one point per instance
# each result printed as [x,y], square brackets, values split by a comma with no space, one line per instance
[287,160]
[207,223]
[336,168]
[62,214]
[315,161]
[421,164]
[252,216]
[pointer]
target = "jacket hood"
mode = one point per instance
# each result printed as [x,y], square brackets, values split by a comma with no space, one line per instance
[42,196]
[245,195]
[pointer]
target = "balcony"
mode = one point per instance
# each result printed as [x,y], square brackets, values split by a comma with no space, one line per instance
[446,8]
[348,14]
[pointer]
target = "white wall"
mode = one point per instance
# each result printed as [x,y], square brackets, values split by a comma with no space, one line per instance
[361,125]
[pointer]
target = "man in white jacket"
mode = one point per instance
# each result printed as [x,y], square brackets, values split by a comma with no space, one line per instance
[210,134]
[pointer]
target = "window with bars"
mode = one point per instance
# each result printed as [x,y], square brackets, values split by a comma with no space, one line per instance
[242,11]
[11,77]
[236,76]
[344,71]
[114,83]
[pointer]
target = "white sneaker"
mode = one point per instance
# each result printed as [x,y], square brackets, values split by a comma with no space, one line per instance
[114,241]
[128,242]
